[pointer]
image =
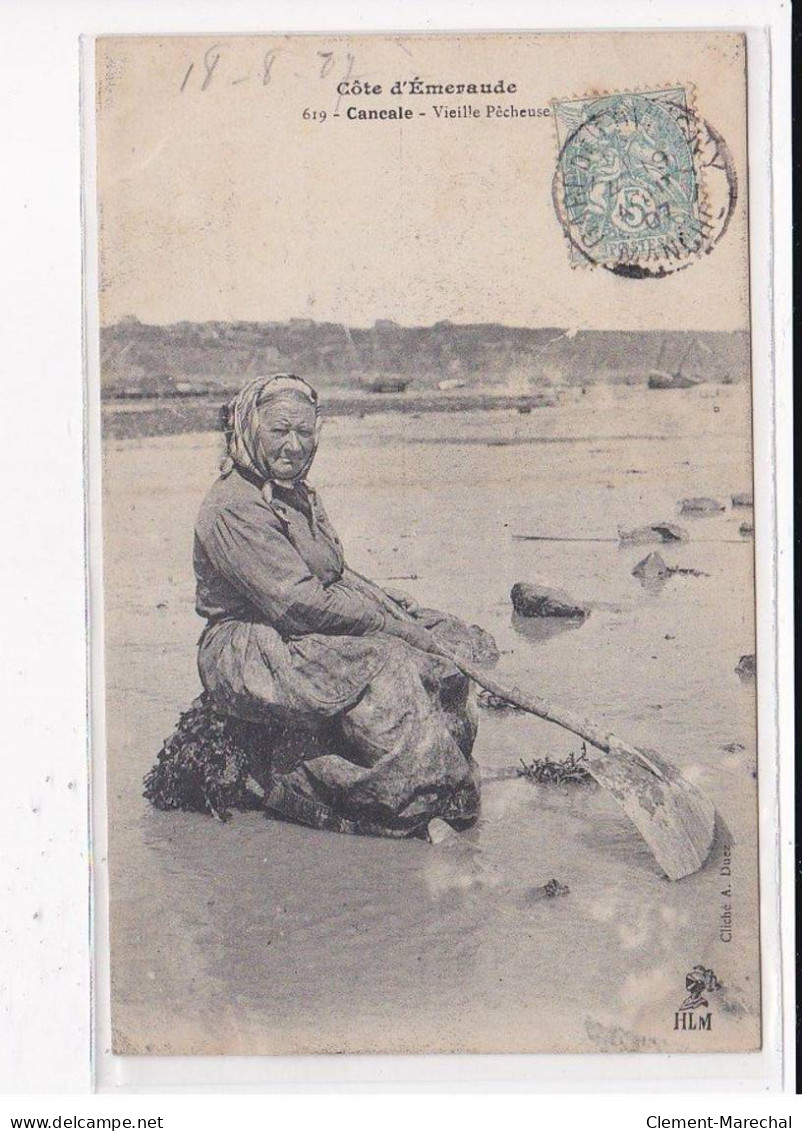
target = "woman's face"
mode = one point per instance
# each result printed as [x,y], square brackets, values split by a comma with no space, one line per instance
[287,435]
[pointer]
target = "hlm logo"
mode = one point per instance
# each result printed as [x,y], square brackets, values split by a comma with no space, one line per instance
[688,1021]
[698,982]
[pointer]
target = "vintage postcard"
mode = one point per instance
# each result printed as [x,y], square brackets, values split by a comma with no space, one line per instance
[428,543]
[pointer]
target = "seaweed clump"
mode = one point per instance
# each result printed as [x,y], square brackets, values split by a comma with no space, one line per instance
[548,771]
[203,766]
[494,702]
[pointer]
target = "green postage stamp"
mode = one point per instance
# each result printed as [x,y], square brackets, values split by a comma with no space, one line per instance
[633,178]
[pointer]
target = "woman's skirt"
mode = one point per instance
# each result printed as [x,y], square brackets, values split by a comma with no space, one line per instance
[354,734]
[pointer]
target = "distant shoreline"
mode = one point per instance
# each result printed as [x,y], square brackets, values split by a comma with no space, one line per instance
[189,360]
[167,416]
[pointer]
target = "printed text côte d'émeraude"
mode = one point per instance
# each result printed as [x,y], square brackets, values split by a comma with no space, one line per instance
[356,88]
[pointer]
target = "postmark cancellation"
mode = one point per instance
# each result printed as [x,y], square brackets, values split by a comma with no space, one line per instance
[644,186]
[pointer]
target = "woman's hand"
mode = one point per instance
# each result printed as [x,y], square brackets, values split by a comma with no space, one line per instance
[413,634]
[402,599]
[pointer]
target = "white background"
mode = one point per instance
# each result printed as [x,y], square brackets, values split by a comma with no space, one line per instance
[45,961]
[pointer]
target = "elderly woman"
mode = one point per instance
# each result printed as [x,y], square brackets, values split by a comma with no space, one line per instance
[366,730]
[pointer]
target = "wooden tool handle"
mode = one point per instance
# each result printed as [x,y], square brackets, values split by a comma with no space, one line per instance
[533,704]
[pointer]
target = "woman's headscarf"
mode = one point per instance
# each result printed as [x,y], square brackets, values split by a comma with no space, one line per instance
[242,420]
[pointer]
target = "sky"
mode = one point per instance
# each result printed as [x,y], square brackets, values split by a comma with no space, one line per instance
[219,199]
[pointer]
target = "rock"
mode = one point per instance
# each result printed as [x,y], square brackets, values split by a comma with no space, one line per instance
[652,568]
[746,667]
[657,532]
[438,831]
[547,891]
[701,506]
[659,379]
[530,600]
[742,499]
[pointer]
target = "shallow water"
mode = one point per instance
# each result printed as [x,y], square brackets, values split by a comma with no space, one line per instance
[260,937]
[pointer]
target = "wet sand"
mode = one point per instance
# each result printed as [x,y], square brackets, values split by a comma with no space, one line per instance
[260,937]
